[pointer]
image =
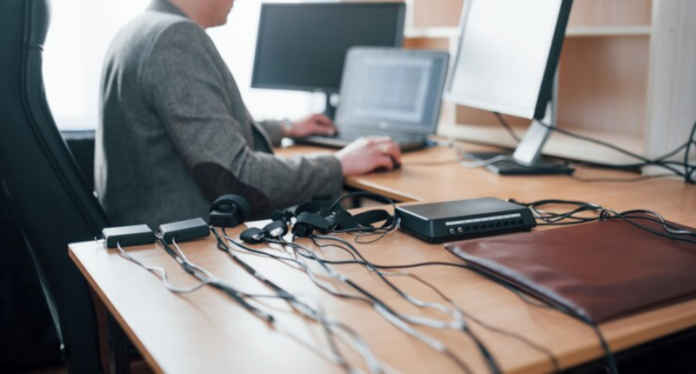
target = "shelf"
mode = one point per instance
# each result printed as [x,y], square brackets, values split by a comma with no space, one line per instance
[558,145]
[432,32]
[453,32]
[609,31]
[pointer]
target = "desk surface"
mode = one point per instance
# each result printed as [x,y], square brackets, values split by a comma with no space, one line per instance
[432,175]
[207,332]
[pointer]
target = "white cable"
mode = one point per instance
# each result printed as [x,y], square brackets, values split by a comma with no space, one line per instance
[160,273]
[375,365]
[432,343]
[205,272]
[397,320]
[325,354]
[481,163]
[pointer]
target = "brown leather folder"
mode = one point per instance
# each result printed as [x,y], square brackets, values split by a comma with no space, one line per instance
[601,270]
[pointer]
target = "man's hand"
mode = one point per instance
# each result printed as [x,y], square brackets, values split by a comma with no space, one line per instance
[316,124]
[367,154]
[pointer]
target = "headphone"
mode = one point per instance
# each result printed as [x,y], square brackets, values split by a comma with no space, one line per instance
[229,211]
[323,217]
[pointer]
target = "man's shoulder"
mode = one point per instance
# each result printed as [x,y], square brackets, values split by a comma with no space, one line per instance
[143,33]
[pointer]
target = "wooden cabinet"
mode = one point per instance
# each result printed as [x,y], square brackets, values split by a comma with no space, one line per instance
[627,75]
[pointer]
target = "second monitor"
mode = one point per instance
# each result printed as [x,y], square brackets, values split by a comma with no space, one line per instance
[303,46]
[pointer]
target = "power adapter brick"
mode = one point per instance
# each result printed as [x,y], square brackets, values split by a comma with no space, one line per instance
[128,236]
[184,230]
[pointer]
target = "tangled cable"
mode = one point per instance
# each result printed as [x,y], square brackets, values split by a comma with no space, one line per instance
[634,217]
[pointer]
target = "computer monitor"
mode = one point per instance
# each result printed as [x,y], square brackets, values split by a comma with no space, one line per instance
[303,46]
[506,62]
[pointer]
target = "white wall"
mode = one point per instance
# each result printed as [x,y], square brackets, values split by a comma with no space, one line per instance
[81,31]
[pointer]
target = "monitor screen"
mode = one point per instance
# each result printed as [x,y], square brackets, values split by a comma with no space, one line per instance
[393,89]
[303,46]
[508,54]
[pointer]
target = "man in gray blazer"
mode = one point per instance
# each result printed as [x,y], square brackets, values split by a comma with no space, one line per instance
[175,133]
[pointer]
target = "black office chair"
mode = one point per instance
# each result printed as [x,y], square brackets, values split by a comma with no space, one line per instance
[54,203]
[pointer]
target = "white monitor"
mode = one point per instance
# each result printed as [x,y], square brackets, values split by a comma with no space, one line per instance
[507,55]
[506,62]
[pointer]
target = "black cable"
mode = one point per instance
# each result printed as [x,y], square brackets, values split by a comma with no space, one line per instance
[371,299]
[631,167]
[610,357]
[660,161]
[233,293]
[368,264]
[630,216]
[646,161]
[366,231]
[690,169]
[319,245]
[627,219]
[549,218]
[476,340]
[367,297]
[507,127]
[372,195]
[510,288]
[622,180]
[297,304]
[552,357]
[378,302]
[379,235]
[609,354]
[362,230]
[386,267]
[239,296]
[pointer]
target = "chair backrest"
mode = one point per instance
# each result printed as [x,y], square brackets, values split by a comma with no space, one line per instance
[53,202]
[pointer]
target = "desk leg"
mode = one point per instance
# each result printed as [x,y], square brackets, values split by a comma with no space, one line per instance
[119,362]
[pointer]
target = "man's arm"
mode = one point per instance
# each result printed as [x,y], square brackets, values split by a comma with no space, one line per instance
[316,124]
[186,92]
[275,131]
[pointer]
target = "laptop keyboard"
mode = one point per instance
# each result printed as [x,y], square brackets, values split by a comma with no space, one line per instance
[351,135]
[345,137]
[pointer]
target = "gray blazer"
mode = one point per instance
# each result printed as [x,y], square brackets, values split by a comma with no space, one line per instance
[175,133]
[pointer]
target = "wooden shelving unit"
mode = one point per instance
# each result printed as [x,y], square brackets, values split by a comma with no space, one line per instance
[558,145]
[453,32]
[609,31]
[615,78]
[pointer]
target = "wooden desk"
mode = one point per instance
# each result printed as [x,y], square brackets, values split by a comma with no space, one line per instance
[432,175]
[207,332]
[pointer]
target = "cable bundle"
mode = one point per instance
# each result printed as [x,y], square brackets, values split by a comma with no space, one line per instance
[672,166]
[634,217]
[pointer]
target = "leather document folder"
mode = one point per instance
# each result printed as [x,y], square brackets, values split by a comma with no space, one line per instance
[601,270]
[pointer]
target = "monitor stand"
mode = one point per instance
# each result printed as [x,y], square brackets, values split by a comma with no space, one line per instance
[330,104]
[527,159]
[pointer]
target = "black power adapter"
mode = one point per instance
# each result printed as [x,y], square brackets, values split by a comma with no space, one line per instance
[128,236]
[184,230]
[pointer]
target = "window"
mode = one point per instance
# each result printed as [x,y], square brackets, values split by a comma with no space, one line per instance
[80,34]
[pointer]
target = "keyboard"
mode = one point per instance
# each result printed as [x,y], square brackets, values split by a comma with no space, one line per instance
[407,143]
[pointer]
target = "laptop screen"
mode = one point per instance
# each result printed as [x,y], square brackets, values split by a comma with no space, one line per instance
[392,90]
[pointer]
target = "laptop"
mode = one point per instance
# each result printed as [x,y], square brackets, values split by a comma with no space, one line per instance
[388,92]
